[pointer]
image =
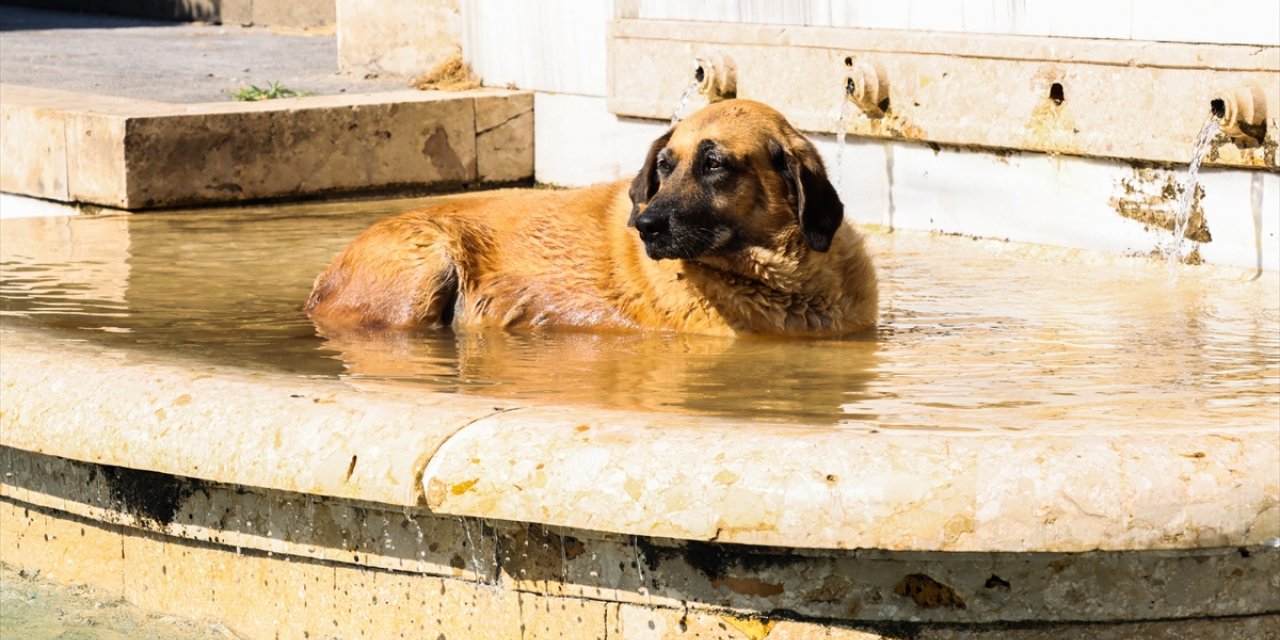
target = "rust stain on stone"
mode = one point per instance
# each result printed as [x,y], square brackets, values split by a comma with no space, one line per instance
[463,487]
[748,586]
[928,593]
[1051,128]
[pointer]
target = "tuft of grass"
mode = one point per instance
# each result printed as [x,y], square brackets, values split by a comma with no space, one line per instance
[253,93]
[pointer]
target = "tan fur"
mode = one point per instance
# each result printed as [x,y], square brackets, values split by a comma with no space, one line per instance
[568,259]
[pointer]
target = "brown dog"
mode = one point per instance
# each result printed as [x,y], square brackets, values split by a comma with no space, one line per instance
[731,227]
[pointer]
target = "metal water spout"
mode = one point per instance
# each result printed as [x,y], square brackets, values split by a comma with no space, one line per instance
[867,86]
[716,77]
[1242,112]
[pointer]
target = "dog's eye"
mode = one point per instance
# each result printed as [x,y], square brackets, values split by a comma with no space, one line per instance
[713,164]
[663,165]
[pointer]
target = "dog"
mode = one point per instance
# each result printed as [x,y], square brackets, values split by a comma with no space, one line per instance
[731,227]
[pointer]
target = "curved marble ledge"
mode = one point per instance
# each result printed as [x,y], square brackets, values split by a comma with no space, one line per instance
[659,475]
[236,426]
[678,477]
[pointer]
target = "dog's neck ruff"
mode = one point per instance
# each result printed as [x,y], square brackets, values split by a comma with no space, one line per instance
[785,271]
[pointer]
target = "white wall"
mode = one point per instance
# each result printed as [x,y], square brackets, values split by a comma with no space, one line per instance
[1240,22]
[559,45]
[543,45]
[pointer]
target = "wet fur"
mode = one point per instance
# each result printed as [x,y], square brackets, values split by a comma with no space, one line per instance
[762,249]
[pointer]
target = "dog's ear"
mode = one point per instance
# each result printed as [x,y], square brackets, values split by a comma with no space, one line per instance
[646,182]
[818,208]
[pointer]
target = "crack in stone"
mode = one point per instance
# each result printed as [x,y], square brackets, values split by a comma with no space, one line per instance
[420,467]
[480,132]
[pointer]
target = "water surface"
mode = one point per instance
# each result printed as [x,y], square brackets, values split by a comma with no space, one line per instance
[975,335]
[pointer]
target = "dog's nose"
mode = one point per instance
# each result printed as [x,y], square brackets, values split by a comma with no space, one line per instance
[651,226]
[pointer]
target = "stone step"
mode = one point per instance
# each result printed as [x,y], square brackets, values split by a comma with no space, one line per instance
[134,154]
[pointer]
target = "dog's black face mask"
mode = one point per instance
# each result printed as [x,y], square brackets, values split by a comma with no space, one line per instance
[688,209]
[701,197]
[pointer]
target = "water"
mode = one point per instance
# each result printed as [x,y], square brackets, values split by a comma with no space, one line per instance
[974,335]
[1255,204]
[1175,252]
[683,103]
[847,112]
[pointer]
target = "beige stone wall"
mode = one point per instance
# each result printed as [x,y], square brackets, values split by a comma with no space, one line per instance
[281,594]
[396,37]
[298,14]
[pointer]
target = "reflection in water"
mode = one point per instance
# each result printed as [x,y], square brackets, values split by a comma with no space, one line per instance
[781,380]
[975,335]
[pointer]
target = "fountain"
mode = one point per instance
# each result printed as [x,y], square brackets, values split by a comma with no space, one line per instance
[1038,441]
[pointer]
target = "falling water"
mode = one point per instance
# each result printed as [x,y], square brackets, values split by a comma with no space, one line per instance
[1183,213]
[842,126]
[475,559]
[644,587]
[420,550]
[564,562]
[1255,200]
[683,103]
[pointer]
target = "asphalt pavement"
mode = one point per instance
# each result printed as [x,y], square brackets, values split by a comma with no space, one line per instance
[168,61]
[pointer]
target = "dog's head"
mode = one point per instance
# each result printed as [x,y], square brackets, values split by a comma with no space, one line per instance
[734,175]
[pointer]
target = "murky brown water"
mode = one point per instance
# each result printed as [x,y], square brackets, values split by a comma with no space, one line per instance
[975,335]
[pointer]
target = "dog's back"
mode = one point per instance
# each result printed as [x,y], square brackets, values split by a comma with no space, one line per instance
[516,258]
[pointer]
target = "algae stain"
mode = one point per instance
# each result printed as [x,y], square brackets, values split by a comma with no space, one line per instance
[928,593]
[752,628]
[1151,196]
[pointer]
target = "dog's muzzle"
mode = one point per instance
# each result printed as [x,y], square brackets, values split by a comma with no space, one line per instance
[652,227]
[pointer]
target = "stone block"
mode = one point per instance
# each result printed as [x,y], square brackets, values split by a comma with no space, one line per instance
[96,168]
[236,12]
[318,146]
[504,137]
[65,550]
[994,91]
[373,37]
[134,154]
[293,14]
[33,145]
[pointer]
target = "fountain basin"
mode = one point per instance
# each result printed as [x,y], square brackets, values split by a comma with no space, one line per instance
[172,432]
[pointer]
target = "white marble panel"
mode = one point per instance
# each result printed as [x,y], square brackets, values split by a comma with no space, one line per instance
[549,45]
[1244,22]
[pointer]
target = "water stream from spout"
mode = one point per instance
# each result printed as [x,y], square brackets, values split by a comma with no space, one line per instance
[1182,215]
[842,131]
[683,103]
[1255,200]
